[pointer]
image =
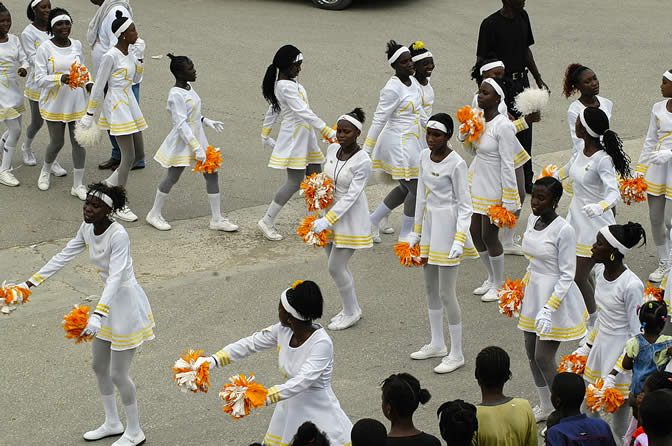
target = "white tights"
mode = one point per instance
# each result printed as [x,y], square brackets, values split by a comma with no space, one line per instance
[440,287]
[660,214]
[10,139]
[338,270]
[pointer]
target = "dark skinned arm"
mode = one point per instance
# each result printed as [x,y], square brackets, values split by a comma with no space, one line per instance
[532,66]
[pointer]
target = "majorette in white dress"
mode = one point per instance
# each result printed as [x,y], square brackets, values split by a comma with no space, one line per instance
[395,137]
[306,394]
[658,177]
[58,102]
[11,59]
[296,145]
[349,213]
[187,133]
[121,113]
[593,181]
[31,39]
[617,321]
[128,319]
[552,256]
[492,175]
[575,108]
[443,209]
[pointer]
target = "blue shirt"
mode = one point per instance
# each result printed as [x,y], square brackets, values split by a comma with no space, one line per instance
[579,430]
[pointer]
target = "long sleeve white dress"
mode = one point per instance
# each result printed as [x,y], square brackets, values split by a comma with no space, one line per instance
[12,58]
[658,177]
[31,39]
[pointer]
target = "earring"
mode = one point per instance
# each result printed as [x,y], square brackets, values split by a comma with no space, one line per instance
[611,257]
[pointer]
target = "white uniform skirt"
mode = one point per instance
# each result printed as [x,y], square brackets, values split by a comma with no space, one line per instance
[130,320]
[397,153]
[317,405]
[121,114]
[353,230]
[569,320]
[174,152]
[485,184]
[586,228]
[32,91]
[659,180]
[606,352]
[296,147]
[438,235]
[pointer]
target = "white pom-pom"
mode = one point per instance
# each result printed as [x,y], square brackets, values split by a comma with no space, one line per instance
[91,137]
[532,100]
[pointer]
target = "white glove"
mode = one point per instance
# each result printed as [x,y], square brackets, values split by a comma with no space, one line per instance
[320,225]
[218,126]
[199,153]
[593,210]
[584,351]
[139,47]
[511,207]
[462,136]
[267,141]
[92,326]
[86,121]
[331,134]
[609,382]
[208,359]
[456,250]
[661,157]
[543,323]
[412,238]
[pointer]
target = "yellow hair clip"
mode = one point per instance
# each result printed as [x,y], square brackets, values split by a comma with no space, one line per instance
[297,283]
[418,45]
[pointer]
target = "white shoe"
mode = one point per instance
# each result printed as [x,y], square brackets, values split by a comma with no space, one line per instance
[483,288]
[8,179]
[513,249]
[43,180]
[539,414]
[158,222]
[79,192]
[658,274]
[448,365]
[375,234]
[126,214]
[338,316]
[490,296]
[28,156]
[427,351]
[57,170]
[385,227]
[345,322]
[223,225]
[104,431]
[269,231]
[130,440]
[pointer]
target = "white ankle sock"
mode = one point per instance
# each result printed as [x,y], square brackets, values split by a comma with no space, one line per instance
[272,212]
[159,201]
[7,155]
[498,269]
[436,327]
[111,413]
[485,259]
[406,225]
[77,177]
[132,419]
[215,209]
[506,236]
[380,212]
[545,399]
[113,180]
[455,341]
[27,144]
[661,249]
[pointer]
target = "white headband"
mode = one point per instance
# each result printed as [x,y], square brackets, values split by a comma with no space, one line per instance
[585,126]
[299,58]
[496,86]
[612,240]
[398,53]
[102,196]
[34,3]
[290,309]
[667,75]
[124,26]
[351,120]
[421,56]
[491,65]
[60,18]
[438,126]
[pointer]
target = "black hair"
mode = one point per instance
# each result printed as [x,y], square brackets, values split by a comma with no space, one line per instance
[611,143]
[553,185]
[256,444]
[653,315]
[116,193]
[457,422]
[120,20]
[368,432]
[358,114]
[628,234]
[653,415]
[282,60]
[476,69]
[307,300]
[53,14]
[659,380]
[417,48]
[177,63]
[3,9]
[402,391]
[308,433]
[572,77]
[392,47]
[30,12]
[446,120]
[493,367]
[570,388]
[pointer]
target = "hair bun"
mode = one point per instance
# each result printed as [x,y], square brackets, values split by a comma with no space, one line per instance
[424,396]
[119,14]
[170,56]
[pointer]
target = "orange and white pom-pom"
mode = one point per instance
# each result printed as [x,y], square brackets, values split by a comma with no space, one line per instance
[633,190]
[75,322]
[500,217]
[548,171]
[332,140]
[511,297]
[78,76]
[573,364]
[408,256]
[609,400]
[241,395]
[318,191]
[190,376]
[474,124]
[213,161]
[310,237]
[11,296]
[653,293]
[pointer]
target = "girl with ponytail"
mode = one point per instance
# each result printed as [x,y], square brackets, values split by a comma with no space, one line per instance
[296,149]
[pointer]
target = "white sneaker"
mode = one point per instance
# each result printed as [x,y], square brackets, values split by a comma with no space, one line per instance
[79,192]
[490,296]
[427,351]
[448,365]
[130,440]
[104,431]
[158,222]
[539,414]
[345,322]
[385,227]
[8,179]
[28,156]
[223,225]
[269,231]
[57,170]
[483,288]
[659,273]
[375,234]
[338,316]
[43,180]
[513,249]
[126,214]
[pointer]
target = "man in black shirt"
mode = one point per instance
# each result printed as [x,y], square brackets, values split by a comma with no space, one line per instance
[507,35]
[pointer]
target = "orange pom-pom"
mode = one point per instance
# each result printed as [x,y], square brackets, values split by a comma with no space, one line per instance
[78,76]
[305,231]
[242,395]
[511,297]
[408,256]
[318,191]
[474,124]
[75,322]
[609,400]
[12,296]
[653,293]
[188,376]
[573,364]
[633,190]
[548,171]
[501,217]
[332,140]
[213,161]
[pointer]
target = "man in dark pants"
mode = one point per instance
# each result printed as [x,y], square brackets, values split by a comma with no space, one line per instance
[507,35]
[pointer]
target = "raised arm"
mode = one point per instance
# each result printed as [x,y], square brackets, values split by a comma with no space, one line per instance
[57,262]
[258,342]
